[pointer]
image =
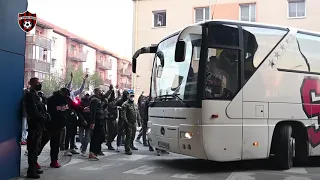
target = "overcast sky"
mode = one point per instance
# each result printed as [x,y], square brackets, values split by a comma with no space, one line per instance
[105,22]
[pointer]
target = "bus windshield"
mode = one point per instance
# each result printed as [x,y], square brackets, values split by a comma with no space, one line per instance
[178,79]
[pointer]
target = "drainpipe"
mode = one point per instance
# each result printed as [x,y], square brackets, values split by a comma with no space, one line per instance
[134,36]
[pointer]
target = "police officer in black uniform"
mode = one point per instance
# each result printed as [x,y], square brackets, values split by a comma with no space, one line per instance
[37,117]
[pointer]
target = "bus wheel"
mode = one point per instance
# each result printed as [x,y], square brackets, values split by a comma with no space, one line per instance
[285,146]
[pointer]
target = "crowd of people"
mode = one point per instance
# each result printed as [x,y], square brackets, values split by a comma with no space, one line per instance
[98,118]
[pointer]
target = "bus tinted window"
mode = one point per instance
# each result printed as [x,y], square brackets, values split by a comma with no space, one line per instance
[223,35]
[258,42]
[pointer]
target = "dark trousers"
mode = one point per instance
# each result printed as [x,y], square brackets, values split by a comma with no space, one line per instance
[112,131]
[33,146]
[130,132]
[97,138]
[120,135]
[143,132]
[54,138]
[62,139]
[70,136]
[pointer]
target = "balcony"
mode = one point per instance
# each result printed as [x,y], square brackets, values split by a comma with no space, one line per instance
[106,64]
[37,65]
[39,41]
[125,86]
[125,72]
[77,55]
[107,81]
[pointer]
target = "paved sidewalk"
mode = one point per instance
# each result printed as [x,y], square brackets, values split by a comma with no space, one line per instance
[43,159]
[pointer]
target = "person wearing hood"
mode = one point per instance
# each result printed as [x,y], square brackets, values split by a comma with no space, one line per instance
[119,103]
[97,115]
[59,106]
[84,130]
[112,117]
[37,118]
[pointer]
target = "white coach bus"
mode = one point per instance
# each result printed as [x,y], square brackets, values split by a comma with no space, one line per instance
[229,90]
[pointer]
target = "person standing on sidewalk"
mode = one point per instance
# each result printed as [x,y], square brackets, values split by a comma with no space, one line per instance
[24,134]
[84,130]
[130,117]
[143,110]
[97,117]
[112,117]
[119,103]
[37,117]
[58,107]
[73,95]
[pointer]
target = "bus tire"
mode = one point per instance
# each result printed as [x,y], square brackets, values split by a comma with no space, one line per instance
[284,147]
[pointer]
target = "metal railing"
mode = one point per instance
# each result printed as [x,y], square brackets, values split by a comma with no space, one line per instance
[39,41]
[77,55]
[37,65]
[104,64]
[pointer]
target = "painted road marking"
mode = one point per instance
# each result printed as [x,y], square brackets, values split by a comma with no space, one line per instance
[143,170]
[133,157]
[185,176]
[101,167]
[106,154]
[74,161]
[240,176]
[296,170]
[297,178]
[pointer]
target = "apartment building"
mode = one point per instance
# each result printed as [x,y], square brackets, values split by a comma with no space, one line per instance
[124,74]
[154,19]
[51,49]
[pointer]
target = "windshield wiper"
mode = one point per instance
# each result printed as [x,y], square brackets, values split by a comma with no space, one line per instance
[176,96]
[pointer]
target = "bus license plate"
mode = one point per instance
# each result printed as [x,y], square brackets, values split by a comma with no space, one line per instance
[163,145]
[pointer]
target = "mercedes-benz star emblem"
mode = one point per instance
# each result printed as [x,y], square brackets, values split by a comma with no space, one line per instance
[162,131]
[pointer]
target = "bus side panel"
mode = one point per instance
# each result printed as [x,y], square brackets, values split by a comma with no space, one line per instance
[168,123]
[222,136]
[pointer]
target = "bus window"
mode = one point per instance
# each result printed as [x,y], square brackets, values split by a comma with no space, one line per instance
[258,42]
[222,67]
[222,74]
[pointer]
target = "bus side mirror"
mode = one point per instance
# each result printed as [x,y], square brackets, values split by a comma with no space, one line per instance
[134,65]
[179,55]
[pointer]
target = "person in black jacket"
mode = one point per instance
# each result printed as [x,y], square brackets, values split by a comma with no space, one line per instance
[98,118]
[120,137]
[37,117]
[84,130]
[112,117]
[59,106]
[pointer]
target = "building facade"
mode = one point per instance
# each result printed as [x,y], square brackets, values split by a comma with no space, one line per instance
[154,19]
[52,50]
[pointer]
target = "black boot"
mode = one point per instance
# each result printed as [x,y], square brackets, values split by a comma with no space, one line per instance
[32,174]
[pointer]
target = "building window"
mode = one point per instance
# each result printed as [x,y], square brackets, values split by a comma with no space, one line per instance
[201,14]
[53,62]
[72,47]
[159,18]
[248,12]
[54,41]
[297,8]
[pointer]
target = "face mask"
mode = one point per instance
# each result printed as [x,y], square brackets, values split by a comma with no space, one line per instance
[38,87]
[131,99]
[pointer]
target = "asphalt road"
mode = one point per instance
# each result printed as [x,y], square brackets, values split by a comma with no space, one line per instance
[145,165]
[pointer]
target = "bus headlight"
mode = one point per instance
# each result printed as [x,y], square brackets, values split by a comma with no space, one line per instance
[185,135]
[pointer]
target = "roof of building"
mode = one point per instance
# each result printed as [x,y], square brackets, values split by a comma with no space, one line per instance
[74,37]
